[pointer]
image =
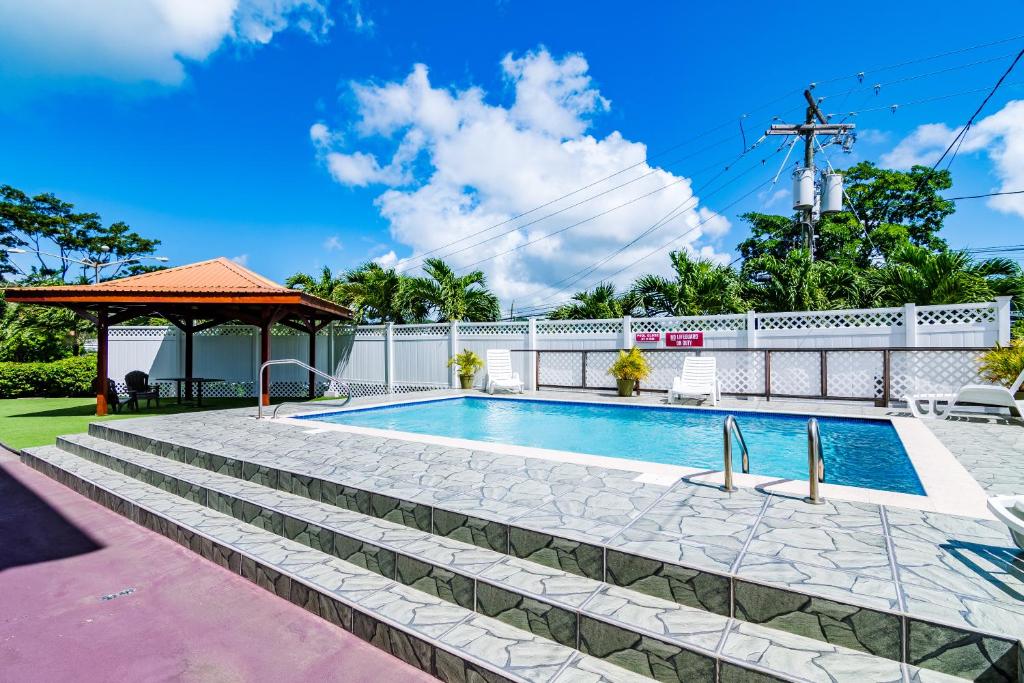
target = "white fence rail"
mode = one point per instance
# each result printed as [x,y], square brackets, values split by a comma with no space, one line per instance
[378,359]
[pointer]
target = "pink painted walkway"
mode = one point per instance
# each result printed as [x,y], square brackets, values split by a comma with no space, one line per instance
[187,620]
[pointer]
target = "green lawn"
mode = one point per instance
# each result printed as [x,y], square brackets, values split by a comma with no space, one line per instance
[28,422]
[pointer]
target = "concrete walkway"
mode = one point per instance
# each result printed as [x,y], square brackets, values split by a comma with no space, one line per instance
[86,595]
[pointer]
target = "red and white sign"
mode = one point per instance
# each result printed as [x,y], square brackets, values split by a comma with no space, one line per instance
[648,337]
[684,339]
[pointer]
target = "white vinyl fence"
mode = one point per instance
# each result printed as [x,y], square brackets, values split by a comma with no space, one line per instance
[877,353]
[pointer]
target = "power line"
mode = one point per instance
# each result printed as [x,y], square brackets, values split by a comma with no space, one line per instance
[919,60]
[970,121]
[567,208]
[682,235]
[674,213]
[981,196]
[648,158]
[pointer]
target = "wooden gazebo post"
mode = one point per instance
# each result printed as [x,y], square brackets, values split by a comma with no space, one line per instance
[102,355]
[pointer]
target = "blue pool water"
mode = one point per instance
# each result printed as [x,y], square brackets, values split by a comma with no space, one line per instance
[858,452]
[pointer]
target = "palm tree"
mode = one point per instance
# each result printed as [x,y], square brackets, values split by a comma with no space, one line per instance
[450,296]
[700,287]
[918,275]
[600,302]
[325,287]
[378,295]
[796,283]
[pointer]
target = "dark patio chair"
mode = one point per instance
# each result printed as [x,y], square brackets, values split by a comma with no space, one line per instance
[113,400]
[139,387]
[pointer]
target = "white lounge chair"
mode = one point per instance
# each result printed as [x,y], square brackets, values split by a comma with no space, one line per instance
[499,372]
[1010,511]
[932,406]
[699,380]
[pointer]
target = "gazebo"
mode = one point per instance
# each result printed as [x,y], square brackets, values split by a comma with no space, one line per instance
[193,298]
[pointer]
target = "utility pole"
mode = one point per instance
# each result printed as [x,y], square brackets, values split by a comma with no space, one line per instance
[815,123]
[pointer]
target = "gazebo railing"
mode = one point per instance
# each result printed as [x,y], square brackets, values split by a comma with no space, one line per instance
[335,381]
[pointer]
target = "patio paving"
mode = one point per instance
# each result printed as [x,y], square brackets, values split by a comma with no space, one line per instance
[909,585]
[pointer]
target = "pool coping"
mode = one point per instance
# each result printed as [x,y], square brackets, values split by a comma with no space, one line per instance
[949,487]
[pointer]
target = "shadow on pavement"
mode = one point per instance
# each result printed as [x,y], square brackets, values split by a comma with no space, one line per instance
[30,530]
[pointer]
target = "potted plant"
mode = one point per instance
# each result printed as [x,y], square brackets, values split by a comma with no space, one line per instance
[628,369]
[1003,364]
[468,363]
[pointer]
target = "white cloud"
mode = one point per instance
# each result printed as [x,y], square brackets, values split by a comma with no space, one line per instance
[387,260]
[140,40]
[333,243]
[459,164]
[1000,136]
[241,259]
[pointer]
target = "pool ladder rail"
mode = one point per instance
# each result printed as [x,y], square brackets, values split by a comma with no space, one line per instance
[731,427]
[334,381]
[815,459]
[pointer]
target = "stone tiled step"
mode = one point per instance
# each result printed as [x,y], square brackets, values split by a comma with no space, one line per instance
[808,594]
[448,641]
[646,634]
[659,638]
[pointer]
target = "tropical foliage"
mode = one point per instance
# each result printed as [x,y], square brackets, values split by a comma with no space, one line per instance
[888,254]
[630,365]
[45,223]
[468,363]
[378,295]
[1003,364]
[600,302]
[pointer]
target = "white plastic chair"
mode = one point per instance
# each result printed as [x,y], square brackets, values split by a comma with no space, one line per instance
[699,381]
[1010,511]
[499,372]
[929,406]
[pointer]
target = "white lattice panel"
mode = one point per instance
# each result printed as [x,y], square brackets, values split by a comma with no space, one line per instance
[835,320]
[709,323]
[229,331]
[915,372]
[506,327]
[796,373]
[579,327]
[147,332]
[965,314]
[432,330]
[561,369]
[855,374]
[369,332]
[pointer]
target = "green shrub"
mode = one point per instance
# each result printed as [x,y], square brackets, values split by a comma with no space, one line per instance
[468,363]
[66,377]
[631,365]
[1003,364]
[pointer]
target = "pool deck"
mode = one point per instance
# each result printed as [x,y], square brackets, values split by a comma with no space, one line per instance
[945,588]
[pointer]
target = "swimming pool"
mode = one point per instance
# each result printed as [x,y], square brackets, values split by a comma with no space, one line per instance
[858,452]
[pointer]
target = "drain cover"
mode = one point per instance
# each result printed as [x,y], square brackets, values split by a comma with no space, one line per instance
[119,594]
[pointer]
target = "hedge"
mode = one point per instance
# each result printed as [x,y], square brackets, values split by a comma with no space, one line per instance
[66,377]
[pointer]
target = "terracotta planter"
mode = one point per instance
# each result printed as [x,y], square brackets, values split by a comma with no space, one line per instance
[466,381]
[626,386]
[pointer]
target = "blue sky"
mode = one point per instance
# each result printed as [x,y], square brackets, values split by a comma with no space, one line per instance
[298,133]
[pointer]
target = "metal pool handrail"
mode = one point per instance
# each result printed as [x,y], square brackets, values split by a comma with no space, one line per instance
[292,361]
[815,463]
[730,427]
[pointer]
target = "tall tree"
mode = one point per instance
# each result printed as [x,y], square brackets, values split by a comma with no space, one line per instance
[326,286]
[449,296]
[600,302]
[378,294]
[917,275]
[700,287]
[887,209]
[796,283]
[45,223]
